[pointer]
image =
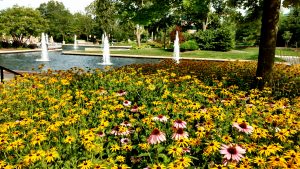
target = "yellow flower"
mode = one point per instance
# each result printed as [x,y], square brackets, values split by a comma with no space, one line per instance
[158,166]
[69,139]
[51,156]
[115,147]
[226,139]
[127,147]
[144,146]
[86,164]
[123,166]
[276,161]
[151,87]
[282,135]
[183,161]
[175,151]
[184,142]
[100,166]
[259,161]
[212,147]
[120,159]
[264,150]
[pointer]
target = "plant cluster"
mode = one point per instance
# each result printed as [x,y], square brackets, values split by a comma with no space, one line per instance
[145,117]
[221,39]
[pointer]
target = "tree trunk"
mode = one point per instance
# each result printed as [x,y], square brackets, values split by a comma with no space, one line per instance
[138,33]
[165,37]
[267,44]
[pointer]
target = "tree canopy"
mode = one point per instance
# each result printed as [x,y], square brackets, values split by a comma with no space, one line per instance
[21,22]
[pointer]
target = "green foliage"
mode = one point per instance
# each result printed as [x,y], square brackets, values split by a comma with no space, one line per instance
[59,19]
[21,22]
[155,44]
[221,39]
[291,23]
[189,46]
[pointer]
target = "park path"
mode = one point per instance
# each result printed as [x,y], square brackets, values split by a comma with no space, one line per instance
[292,60]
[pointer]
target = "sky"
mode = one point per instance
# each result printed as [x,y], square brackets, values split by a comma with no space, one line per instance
[72,5]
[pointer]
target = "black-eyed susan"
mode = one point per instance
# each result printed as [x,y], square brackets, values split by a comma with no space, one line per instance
[183,161]
[175,151]
[183,142]
[212,146]
[87,164]
[115,147]
[158,166]
[259,161]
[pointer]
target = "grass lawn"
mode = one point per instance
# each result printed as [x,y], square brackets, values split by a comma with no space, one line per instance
[242,54]
[287,52]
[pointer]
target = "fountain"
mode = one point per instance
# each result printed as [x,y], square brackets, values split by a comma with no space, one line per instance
[102,40]
[75,42]
[176,53]
[44,56]
[47,39]
[106,56]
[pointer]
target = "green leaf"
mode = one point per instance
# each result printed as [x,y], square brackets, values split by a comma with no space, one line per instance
[144,155]
[165,158]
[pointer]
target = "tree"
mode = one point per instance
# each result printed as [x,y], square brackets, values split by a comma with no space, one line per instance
[291,23]
[59,19]
[21,22]
[82,24]
[268,35]
[287,35]
[105,13]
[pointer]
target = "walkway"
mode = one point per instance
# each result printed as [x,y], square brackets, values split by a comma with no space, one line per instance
[292,60]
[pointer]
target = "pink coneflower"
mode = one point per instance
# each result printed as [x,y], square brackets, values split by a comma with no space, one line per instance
[179,134]
[232,152]
[243,127]
[160,118]
[156,137]
[179,124]
[116,131]
[186,150]
[125,140]
[126,103]
[134,109]
[121,93]
[125,123]
[101,134]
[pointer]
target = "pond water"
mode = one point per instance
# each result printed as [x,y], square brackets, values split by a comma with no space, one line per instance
[58,61]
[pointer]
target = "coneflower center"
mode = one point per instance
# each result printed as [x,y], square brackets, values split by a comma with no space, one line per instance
[179,131]
[160,116]
[243,125]
[179,121]
[117,128]
[232,150]
[155,132]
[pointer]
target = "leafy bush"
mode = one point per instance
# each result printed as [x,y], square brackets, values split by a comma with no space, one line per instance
[188,36]
[189,46]
[5,44]
[221,39]
[17,44]
[32,46]
[155,44]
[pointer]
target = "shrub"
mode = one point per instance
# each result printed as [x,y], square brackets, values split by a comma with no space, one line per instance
[5,44]
[189,46]
[154,44]
[32,46]
[221,39]
[17,44]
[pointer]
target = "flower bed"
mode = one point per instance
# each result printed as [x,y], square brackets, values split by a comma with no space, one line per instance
[144,117]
